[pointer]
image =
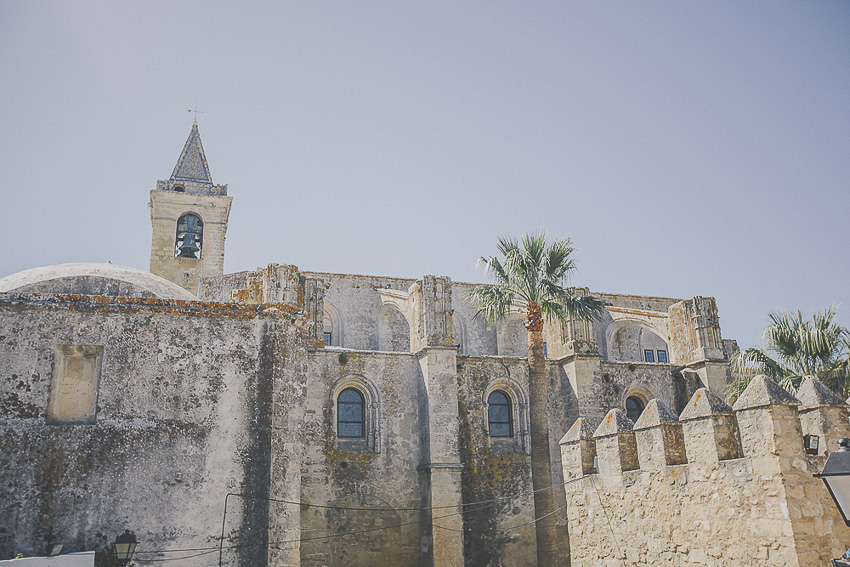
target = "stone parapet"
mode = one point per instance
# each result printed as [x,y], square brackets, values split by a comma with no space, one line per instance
[616,449]
[578,450]
[717,486]
[659,436]
[825,417]
[710,427]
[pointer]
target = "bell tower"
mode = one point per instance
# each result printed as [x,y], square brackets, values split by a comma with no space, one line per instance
[189,218]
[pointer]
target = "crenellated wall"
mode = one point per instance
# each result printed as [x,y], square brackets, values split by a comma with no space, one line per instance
[714,486]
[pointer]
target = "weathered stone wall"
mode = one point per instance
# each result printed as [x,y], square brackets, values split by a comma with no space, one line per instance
[496,477]
[378,472]
[476,336]
[718,508]
[181,418]
[219,288]
[639,302]
[358,305]
[599,385]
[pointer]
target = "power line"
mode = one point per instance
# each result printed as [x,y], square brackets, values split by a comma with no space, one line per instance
[465,507]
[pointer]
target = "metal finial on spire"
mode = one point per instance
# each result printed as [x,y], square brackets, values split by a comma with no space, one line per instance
[196,111]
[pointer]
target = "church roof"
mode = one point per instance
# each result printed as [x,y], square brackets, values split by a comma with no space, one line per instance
[192,165]
[93,279]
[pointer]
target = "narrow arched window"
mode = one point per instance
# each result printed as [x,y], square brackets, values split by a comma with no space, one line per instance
[190,237]
[499,415]
[634,407]
[350,414]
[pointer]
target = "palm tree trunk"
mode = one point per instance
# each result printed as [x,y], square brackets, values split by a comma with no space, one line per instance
[541,473]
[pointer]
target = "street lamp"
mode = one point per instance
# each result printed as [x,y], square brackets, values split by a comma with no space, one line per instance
[836,476]
[125,546]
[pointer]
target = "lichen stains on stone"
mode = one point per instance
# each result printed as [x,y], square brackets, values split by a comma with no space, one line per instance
[131,304]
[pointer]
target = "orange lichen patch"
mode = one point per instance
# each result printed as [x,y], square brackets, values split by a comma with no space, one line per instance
[696,398]
[77,302]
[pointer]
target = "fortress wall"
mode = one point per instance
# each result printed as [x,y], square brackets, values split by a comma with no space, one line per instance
[744,497]
[177,422]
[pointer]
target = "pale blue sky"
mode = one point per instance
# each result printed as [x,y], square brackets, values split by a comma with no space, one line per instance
[687,148]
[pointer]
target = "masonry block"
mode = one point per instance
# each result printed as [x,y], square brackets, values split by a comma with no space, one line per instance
[615,444]
[710,428]
[768,420]
[823,413]
[578,450]
[659,437]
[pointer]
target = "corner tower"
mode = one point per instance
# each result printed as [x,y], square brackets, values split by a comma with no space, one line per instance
[189,218]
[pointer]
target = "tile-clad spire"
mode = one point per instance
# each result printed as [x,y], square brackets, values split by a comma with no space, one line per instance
[192,165]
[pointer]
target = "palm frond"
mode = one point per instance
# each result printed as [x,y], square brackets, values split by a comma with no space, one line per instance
[801,348]
[753,361]
[557,262]
[585,307]
[493,302]
[530,271]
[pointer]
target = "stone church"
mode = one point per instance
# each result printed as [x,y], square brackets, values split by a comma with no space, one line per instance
[289,417]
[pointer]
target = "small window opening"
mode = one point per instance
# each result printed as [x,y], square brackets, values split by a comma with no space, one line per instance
[178,188]
[190,237]
[499,414]
[662,356]
[328,338]
[648,355]
[350,408]
[634,407]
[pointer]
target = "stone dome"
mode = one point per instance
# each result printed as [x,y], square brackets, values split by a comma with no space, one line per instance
[93,279]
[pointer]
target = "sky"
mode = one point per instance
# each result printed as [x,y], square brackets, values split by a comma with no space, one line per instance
[686,148]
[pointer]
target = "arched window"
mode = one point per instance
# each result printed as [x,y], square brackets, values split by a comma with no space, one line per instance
[190,237]
[499,414]
[350,414]
[634,407]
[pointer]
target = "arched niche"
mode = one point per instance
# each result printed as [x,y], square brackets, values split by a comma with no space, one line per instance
[331,323]
[628,341]
[459,332]
[393,330]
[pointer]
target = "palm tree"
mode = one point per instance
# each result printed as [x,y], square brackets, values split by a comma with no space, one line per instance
[796,349]
[530,277]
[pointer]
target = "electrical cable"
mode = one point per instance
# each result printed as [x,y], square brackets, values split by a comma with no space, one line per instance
[608,519]
[465,508]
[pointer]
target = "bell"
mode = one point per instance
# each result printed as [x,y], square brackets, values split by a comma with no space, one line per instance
[188,248]
[190,223]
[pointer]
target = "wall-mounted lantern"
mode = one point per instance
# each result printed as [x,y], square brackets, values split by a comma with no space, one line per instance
[124,547]
[811,443]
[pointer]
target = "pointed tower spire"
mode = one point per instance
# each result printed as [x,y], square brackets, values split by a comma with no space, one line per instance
[189,219]
[192,165]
